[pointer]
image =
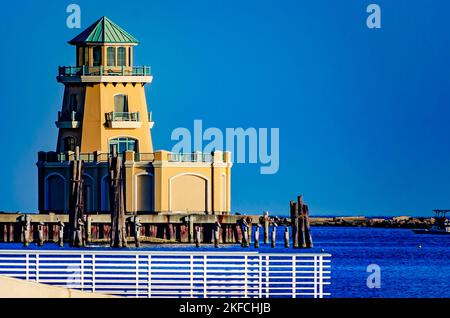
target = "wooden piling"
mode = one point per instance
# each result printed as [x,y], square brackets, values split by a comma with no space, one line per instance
[266,227]
[137,231]
[41,234]
[190,220]
[26,225]
[117,201]
[294,223]
[217,227]
[256,240]
[308,237]
[274,235]
[286,237]
[61,233]
[301,234]
[197,236]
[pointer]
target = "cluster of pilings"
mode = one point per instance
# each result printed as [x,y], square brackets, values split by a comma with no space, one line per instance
[118,228]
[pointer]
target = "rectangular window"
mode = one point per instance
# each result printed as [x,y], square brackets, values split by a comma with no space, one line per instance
[80,55]
[97,56]
[73,103]
[86,56]
[121,57]
[129,56]
[111,56]
[121,103]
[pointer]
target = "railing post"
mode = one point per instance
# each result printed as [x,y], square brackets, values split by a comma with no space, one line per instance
[27,266]
[294,276]
[37,268]
[205,273]
[136,274]
[315,276]
[260,276]
[82,272]
[320,276]
[191,275]
[245,277]
[93,273]
[149,278]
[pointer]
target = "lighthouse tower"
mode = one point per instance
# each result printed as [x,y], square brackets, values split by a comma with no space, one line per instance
[104,108]
[104,98]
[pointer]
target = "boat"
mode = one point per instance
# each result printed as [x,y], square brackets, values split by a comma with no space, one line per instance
[441,224]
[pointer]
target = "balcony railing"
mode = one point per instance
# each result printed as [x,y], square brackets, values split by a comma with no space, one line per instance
[190,157]
[69,116]
[98,157]
[72,71]
[117,116]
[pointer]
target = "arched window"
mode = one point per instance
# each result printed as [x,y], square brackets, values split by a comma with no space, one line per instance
[55,193]
[97,56]
[105,194]
[121,103]
[69,144]
[111,56]
[121,56]
[88,193]
[123,144]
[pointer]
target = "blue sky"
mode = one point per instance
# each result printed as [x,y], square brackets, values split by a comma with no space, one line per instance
[363,114]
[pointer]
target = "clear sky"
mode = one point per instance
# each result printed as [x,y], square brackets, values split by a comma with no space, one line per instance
[363,114]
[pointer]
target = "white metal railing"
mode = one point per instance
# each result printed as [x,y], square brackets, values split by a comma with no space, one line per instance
[174,274]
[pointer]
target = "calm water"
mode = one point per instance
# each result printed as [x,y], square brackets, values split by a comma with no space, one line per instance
[406,270]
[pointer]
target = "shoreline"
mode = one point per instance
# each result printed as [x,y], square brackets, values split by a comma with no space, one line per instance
[407,222]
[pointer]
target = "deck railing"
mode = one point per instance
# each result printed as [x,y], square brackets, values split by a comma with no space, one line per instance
[71,71]
[174,274]
[190,157]
[122,116]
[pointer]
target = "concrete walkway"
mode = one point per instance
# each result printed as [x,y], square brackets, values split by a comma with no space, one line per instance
[18,288]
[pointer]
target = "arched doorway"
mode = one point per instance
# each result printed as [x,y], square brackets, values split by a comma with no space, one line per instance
[144,188]
[188,193]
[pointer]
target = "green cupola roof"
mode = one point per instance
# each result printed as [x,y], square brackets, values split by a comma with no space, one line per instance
[104,31]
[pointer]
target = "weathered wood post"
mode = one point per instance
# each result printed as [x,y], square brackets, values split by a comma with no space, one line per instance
[76,200]
[274,235]
[80,233]
[257,236]
[117,201]
[244,231]
[41,233]
[137,231]
[286,237]
[301,230]
[250,230]
[217,227]
[197,236]
[190,220]
[61,233]
[294,223]
[308,237]
[26,225]
[266,227]
[88,228]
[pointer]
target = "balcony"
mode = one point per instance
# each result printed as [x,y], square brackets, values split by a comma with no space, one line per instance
[93,74]
[123,120]
[68,120]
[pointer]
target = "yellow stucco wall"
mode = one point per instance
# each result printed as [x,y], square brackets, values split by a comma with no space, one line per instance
[100,101]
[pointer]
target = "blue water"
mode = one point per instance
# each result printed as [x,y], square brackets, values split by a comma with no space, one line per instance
[407,271]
